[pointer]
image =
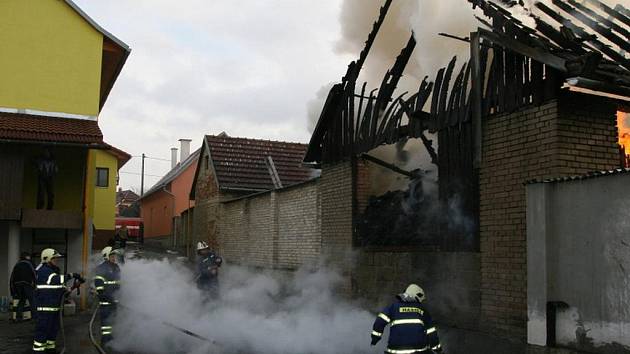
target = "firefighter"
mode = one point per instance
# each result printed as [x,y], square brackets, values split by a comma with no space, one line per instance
[208,264]
[22,285]
[50,290]
[411,328]
[107,284]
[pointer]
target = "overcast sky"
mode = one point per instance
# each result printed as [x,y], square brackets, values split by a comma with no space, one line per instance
[202,67]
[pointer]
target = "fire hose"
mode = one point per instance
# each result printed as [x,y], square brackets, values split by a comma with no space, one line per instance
[92,339]
[165,323]
[168,324]
[75,285]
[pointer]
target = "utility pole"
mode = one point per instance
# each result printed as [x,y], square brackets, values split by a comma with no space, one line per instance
[142,176]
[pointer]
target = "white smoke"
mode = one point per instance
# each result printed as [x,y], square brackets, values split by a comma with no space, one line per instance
[426,19]
[315,105]
[259,312]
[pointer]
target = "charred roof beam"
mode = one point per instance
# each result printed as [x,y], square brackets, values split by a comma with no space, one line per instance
[411,174]
[547,58]
[611,53]
[614,13]
[594,25]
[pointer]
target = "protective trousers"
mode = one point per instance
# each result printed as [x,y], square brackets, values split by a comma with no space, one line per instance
[46,329]
[107,313]
[22,302]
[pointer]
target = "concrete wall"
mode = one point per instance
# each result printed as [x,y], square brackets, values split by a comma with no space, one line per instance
[278,229]
[579,254]
[572,135]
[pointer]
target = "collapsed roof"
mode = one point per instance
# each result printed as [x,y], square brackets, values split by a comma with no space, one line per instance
[513,63]
[587,41]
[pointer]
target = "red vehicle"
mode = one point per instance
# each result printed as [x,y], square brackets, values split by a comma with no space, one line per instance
[133,226]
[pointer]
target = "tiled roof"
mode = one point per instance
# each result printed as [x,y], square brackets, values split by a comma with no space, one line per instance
[589,175]
[240,162]
[127,195]
[17,126]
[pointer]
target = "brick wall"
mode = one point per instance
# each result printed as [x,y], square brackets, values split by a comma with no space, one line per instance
[572,135]
[278,229]
[336,199]
[298,239]
[206,202]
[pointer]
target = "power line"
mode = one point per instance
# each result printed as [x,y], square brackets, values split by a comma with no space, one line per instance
[139,174]
[152,158]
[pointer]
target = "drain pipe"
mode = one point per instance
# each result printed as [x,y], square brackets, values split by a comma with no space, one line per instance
[172,217]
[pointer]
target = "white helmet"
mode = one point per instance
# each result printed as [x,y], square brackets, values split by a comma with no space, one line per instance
[108,251]
[202,246]
[414,291]
[48,254]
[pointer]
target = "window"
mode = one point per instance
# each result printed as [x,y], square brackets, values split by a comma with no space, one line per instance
[207,161]
[102,177]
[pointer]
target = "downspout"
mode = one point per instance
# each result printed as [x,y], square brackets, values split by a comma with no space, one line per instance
[189,232]
[86,234]
[173,215]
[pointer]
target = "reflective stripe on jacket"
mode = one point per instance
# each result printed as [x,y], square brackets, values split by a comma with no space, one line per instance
[50,287]
[107,282]
[411,328]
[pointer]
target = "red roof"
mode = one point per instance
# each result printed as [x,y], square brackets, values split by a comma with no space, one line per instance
[239,163]
[16,126]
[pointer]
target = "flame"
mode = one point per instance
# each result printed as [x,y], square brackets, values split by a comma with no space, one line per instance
[623,123]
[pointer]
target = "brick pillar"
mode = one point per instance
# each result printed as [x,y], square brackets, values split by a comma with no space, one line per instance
[572,135]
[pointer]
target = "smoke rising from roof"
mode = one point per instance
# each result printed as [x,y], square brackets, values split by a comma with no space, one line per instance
[259,312]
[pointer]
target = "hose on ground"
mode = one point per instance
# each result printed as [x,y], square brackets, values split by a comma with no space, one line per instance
[92,339]
[171,325]
[63,332]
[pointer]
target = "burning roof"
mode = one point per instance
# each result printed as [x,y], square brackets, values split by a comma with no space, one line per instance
[514,62]
[587,41]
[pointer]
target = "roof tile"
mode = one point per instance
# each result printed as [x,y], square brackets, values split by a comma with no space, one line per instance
[17,126]
[240,162]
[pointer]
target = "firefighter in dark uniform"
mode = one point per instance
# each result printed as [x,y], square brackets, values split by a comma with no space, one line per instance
[208,264]
[107,284]
[50,289]
[411,328]
[22,286]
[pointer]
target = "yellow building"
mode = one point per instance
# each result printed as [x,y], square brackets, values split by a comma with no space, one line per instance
[57,175]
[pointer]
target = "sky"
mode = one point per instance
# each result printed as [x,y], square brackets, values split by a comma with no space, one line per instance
[254,68]
[202,67]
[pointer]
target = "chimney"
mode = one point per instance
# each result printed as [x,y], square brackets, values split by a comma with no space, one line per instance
[173,158]
[184,149]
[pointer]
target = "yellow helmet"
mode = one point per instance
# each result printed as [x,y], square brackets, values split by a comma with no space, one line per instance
[48,254]
[414,291]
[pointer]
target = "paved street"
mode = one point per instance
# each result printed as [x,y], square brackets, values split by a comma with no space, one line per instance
[18,338]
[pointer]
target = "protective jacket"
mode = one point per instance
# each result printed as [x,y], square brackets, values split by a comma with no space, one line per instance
[107,282]
[208,274]
[23,274]
[50,287]
[411,327]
